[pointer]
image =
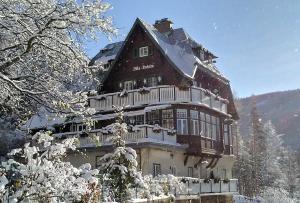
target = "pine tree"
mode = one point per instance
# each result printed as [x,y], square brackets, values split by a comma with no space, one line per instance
[274,159]
[258,152]
[119,168]
[243,167]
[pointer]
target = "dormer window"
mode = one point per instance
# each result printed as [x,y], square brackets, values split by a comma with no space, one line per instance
[143,51]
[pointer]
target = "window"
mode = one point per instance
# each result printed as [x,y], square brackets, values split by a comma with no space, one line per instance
[182,125]
[139,120]
[153,117]
[202,118]
[135,120]
[73,128]
[143,51]
[128,85]
[208,126]
[173,170]
[167,119]
[214,127]
[152,81]
[156,169]
[190,172]
[194,122]
[226,135]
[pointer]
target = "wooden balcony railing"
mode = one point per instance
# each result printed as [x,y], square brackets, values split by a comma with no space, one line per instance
[142,133]
[158,95]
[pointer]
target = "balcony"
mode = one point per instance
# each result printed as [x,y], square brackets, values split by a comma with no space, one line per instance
[164,94]
[140,133]
[194,186]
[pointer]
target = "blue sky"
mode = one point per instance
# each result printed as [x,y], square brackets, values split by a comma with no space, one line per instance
[257,41]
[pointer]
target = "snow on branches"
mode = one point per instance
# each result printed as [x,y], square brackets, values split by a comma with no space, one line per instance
[119,168]
[39,173]
[41,53]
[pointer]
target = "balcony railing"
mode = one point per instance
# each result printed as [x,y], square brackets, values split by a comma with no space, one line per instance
[140,133]
[195,186]
[159,95]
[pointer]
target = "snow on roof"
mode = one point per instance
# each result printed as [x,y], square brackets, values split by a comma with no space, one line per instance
[178,48]
[43,119]
[109,52]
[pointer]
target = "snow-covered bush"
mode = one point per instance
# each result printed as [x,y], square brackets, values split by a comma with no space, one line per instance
[161,185]
[119,168]
[38,173]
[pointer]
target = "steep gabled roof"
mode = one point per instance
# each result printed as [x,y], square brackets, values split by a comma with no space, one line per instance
[177,46]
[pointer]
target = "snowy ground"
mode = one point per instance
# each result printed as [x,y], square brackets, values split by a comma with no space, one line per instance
[243,199]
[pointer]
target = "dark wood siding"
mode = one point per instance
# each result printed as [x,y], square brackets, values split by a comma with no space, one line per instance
[123,67]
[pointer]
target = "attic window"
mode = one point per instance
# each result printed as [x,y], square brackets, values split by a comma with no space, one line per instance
[143,51]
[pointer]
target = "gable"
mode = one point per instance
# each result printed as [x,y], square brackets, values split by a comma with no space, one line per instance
[128,67]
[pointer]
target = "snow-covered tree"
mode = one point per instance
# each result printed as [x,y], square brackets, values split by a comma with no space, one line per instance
[272,195]
[257,152]
[38,173]
[243,168]
[275,175]
[41,52]
[119,167]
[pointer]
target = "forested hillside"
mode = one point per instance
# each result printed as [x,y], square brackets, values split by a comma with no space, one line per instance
[282,108]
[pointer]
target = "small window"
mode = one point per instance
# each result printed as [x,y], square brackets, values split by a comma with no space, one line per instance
[128,85]
[156,169]
[139,120]
[182,122]
[173,170]
[143,51]
[153,117]
[152,81]
[190,172]
[194,122]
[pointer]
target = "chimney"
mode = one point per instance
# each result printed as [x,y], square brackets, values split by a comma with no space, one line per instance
[164,25]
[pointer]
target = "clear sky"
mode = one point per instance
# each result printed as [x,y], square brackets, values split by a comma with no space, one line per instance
[257,41]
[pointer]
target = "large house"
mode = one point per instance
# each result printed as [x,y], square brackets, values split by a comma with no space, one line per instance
[178,105]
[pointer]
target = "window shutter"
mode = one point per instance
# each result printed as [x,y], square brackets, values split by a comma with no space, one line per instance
[150,50]
[135,53]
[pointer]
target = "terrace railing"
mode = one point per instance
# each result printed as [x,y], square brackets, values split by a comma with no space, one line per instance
[141,133]
[159,95]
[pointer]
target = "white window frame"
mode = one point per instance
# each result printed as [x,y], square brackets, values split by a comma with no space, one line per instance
[129,85]
[194,115]
[182,122]
[156,169]
[144,51]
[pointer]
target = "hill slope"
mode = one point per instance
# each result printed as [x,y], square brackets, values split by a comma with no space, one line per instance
[282,108]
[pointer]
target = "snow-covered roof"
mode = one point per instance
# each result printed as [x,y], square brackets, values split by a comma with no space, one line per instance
[178,46]
[106,54]
[43,119]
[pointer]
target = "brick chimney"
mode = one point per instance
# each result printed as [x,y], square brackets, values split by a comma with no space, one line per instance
[164,25]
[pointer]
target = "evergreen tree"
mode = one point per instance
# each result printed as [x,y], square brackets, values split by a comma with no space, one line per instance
[243,167]
[257,152]
[275,175]
[119,168]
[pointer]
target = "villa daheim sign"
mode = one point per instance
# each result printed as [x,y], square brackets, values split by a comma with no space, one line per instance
[143,67]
